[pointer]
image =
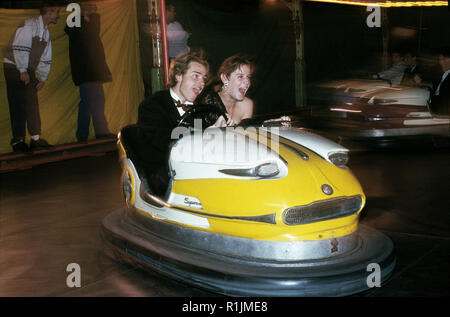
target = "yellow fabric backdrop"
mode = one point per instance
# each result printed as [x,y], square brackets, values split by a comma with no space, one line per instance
[59,99]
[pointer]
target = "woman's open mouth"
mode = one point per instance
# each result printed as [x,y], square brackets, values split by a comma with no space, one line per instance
[243,91]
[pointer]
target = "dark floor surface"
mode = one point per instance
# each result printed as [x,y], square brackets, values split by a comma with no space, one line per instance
[50,216]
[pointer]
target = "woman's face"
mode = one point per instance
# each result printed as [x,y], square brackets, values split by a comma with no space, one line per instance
[238,82]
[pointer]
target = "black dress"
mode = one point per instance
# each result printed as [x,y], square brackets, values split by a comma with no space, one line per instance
[209,106]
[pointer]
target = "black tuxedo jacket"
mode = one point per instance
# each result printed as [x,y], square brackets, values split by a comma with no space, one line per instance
[157,116]
[441,104]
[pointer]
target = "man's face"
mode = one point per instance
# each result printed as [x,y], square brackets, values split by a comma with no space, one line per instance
[444,62]
[88,8]
[170,14]
[52,14]
[191,83]
[396,58]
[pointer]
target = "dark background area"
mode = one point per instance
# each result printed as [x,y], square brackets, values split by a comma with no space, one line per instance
[338,43]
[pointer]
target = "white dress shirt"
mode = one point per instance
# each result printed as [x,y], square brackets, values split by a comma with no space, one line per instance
[175,97]
[395,73]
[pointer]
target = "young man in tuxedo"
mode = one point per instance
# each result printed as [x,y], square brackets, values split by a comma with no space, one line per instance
[159,115]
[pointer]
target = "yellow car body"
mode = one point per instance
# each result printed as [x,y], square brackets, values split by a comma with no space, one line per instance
[261,225]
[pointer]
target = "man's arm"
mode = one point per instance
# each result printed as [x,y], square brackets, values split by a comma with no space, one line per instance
[154,126]
[21,47]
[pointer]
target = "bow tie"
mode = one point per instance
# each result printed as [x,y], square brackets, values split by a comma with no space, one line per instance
[182,105]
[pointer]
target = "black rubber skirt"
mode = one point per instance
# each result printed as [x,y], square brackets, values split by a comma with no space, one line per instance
[139,242]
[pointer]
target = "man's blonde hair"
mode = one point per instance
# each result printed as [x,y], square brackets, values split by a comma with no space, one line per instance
[180,65]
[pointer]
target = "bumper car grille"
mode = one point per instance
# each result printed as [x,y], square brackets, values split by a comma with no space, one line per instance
[322,210]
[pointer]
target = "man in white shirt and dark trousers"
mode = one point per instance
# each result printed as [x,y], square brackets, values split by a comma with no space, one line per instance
[29,52]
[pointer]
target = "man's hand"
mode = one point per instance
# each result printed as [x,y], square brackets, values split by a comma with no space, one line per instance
[25,78]
[40,85]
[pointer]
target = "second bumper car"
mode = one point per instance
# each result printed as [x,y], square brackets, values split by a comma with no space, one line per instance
[374,110]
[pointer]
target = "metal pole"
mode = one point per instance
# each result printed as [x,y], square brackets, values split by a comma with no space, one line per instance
[300,91]
[156,46]
[420,31]
[165,51]
[385,34]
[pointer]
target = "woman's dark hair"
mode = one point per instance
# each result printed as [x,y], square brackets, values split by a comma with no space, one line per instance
[234,62]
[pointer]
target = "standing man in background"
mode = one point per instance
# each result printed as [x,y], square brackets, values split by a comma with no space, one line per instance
[89,72]
[29,52]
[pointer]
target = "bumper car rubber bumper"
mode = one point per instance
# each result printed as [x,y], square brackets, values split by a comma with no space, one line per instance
[140,242]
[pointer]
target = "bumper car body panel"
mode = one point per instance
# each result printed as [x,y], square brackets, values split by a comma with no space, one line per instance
[295,233]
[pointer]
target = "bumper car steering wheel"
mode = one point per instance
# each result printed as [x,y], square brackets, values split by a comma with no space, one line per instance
[207,113]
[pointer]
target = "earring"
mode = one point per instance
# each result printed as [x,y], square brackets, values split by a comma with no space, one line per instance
[225,86]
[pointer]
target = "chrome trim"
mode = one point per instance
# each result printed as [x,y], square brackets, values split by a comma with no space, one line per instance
[269,134]
[270,218]
[244,172]
[249,172]
[379,119]
[150,198]
[334,158]
[322,210]
[127,188]
[327,189]
[247,249]
[300,153]
[441,130]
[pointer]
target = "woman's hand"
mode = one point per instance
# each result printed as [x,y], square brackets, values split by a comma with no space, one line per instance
[220,122]
[285,121]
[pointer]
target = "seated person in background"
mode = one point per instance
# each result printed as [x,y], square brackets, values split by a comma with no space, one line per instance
[413,73]
[396,72]
[229,94]
[440,101]
[159,115]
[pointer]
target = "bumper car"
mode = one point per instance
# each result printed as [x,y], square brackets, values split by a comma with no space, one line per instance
[251,211]
[374,110]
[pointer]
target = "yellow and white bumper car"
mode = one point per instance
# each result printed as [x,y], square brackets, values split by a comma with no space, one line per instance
[250,212]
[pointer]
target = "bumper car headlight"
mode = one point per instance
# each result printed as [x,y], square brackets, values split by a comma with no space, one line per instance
[264,170]
[267,170]
[340,159]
